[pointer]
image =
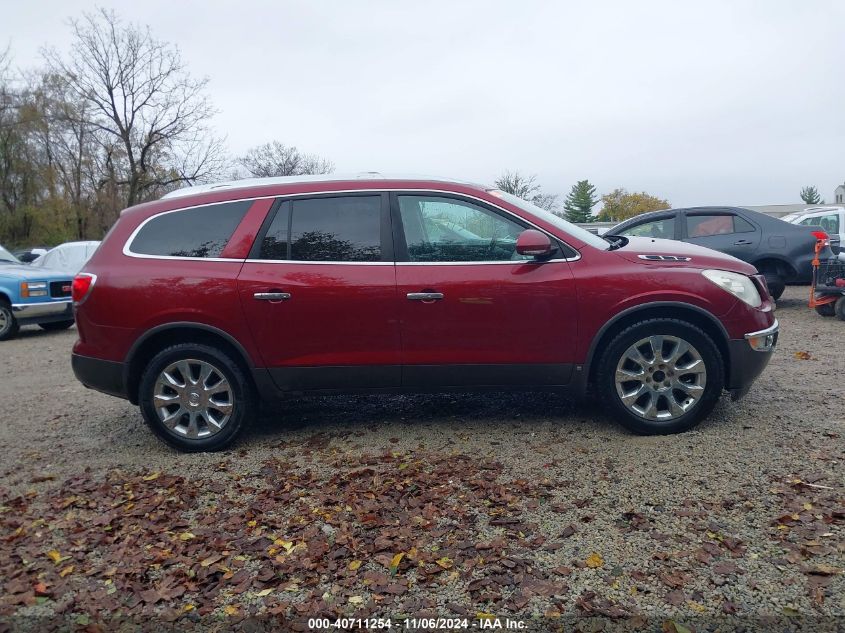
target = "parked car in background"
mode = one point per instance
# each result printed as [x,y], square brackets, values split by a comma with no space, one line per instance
[27,255]
[70,256]
[32,296]
[782,252]
[831,220]
[198,304]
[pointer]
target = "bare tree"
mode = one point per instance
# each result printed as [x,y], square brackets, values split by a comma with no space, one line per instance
[277,159]
[526,187]
[140,99]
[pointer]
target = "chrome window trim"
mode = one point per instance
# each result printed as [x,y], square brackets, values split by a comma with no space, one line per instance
[129,253]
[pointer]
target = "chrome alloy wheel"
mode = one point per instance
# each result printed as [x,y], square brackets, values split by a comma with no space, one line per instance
[661,378]
[193,398]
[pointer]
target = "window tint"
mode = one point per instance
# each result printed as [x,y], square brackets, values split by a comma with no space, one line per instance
[275,244]
[664,228]
[441,229]
[346,229]
[200,232]
[741,225]
[716,224]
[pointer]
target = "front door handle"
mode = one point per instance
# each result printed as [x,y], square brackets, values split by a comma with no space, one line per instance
[271,296]
[425,296]
[742,242]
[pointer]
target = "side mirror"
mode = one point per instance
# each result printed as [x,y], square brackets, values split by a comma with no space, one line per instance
[534,244]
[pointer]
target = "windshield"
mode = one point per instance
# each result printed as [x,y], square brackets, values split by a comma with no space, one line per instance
[6,256]
[576,231]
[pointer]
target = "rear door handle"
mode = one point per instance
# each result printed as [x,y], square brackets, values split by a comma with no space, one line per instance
[271,296]
[425,296]
[742,242]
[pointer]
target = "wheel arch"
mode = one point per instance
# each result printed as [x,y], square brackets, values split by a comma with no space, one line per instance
[781,266]
[691,314]
[156,339]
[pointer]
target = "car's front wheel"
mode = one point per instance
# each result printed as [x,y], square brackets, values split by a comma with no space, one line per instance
[8,323]
[660,376]
[195,397]
[55,326]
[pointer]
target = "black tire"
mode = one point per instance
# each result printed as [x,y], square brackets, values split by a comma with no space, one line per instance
[9,325]
[775,283]
[826,310]
[707,350]
[839,307]
[55,326]
[245,407]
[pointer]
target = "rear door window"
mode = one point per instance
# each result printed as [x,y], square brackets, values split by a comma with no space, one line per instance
[199,232]
[716,224]
[326,229]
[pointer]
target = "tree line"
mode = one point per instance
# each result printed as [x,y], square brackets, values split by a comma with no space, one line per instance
[118,120]
[579,203]
[115,121]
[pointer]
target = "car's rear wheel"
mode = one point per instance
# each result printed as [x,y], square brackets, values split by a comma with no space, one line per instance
[775,282]
[56,325]
[195,397]
[8,323]
[660,376]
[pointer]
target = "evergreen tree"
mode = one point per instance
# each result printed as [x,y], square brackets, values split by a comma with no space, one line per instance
[580,202]
[810,195]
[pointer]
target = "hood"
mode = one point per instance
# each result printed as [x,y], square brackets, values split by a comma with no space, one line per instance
[28,273]
[658,252]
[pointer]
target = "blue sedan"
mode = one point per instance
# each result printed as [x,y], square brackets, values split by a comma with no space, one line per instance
[32,296]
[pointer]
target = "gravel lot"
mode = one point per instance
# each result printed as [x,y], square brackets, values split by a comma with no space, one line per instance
[512,505]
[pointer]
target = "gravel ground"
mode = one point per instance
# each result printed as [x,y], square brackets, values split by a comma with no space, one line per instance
[549,508]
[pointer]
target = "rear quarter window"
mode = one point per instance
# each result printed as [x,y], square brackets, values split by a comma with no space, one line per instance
[199,232]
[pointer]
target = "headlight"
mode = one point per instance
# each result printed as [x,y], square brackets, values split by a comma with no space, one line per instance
[738,285]
[33,289]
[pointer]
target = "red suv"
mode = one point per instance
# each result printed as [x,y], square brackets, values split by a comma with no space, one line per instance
[198,304]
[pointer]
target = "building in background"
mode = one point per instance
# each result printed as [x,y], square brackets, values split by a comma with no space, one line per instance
[839,194]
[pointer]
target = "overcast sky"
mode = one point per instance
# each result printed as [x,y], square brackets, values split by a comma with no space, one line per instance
[733,102]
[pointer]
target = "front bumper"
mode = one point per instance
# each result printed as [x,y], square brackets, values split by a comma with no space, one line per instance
[100,375]
[43,312]
[748,358]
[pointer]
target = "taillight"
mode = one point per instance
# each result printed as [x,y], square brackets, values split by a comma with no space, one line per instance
[82,285]
[822,237]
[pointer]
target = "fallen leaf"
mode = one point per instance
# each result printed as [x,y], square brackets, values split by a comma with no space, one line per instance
[355,565]
[803,355]
[594,560]
[395,562]
[67,570]
[56,557]
[151,477]
[230,609]
[186,536]
[670,626]
[264,592]
[356,600]
[824,570]
[445,562]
